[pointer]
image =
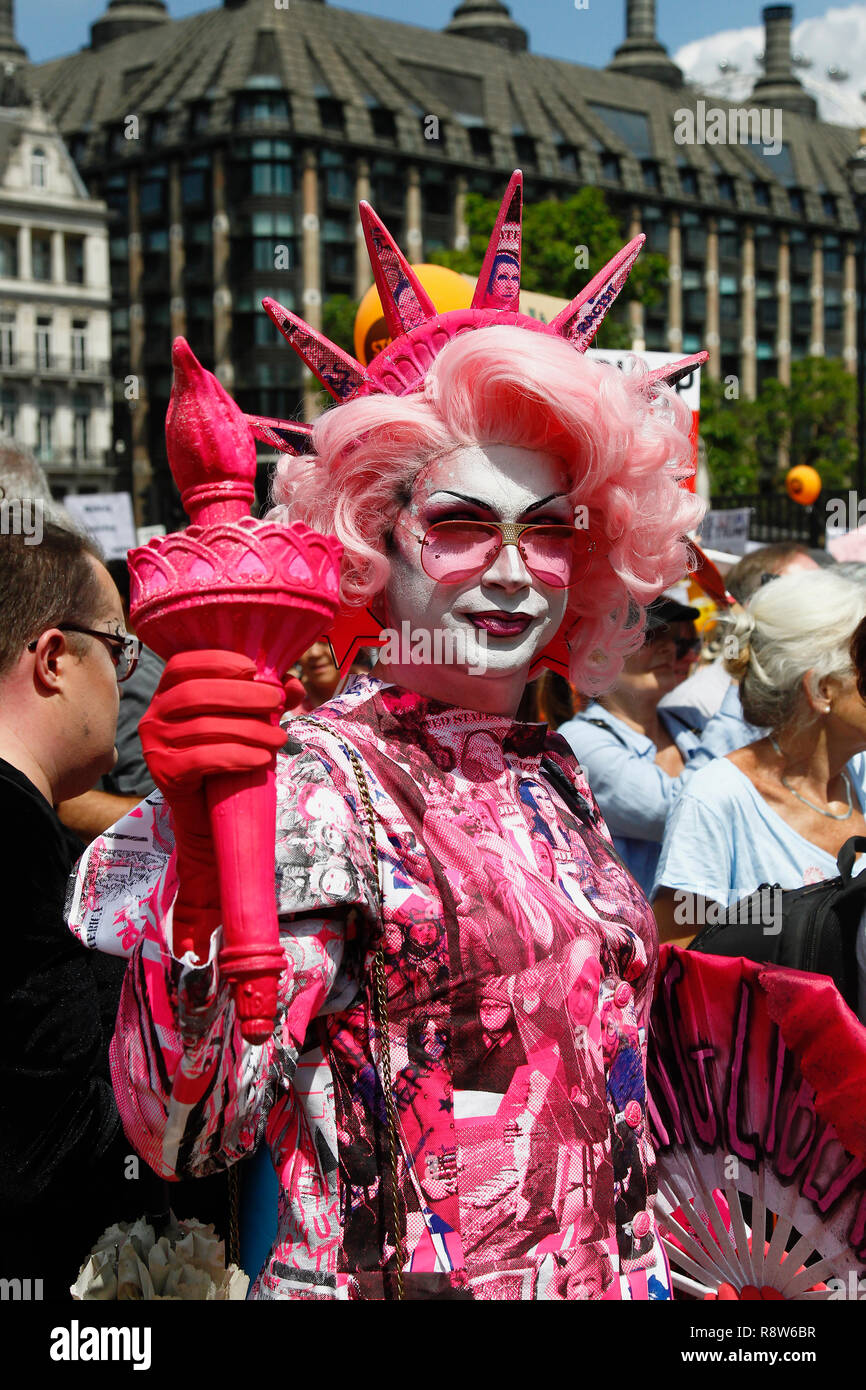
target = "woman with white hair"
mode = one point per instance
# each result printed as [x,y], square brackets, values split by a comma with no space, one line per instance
[778,810]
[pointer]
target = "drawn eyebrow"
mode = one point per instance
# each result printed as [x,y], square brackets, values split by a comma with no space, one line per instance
[487,507]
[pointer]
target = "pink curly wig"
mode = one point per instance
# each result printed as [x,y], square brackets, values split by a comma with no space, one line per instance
[507,385]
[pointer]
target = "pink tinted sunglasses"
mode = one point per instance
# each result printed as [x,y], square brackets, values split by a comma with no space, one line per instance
[453,551]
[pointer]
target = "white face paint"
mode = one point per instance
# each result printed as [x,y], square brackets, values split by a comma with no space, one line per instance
[499,620]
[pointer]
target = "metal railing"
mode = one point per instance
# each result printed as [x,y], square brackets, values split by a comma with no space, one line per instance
[36,364]
[777,517]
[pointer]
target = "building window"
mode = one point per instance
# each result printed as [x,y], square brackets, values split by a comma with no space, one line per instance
[761,194]
[40,256]
[43,343]
[194,187]
[832,255]
[151,197]
[117,193]
[7,340]
[261,106]
[331,115]
[610,167]
[650,174]
[726,189]
[200,117]
[8,413]
[524,148]
[81,428]
[339,183]
[74,260]
[273,247]
[9,253]
[729,240]
[832,309]
[828,204]
[632,127]
[568,160]
[479,142]
[45,428]
[797,201]
[79,344]
[689,182]
[39,169]
[384,123]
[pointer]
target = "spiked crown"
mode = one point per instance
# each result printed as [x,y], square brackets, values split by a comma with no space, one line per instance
[419,333]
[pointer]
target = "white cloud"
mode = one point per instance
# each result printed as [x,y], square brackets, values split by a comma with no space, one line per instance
[836,40]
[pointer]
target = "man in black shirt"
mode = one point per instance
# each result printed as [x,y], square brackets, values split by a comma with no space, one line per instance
[66,1170]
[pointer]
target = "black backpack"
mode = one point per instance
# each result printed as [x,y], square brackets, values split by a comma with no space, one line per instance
[812,928]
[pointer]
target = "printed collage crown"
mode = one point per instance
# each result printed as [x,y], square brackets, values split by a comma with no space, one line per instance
[419,333]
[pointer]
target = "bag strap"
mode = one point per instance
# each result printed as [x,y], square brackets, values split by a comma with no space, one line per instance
[379,992]
[569,793]
[600,724]
[845,859]
[380,1007]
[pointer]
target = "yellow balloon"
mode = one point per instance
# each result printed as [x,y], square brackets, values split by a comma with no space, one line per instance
[446,288]
[803,484]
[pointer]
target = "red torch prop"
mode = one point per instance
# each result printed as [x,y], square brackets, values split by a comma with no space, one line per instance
[234,583]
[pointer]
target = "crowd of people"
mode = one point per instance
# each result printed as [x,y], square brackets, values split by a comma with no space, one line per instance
[453,1098]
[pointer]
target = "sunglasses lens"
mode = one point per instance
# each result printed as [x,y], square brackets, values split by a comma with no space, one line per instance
[456,550]
[555,555]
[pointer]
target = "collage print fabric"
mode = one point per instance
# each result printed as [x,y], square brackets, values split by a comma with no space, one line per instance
[519,958]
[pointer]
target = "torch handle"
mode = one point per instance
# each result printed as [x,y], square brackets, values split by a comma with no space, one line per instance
[242,809]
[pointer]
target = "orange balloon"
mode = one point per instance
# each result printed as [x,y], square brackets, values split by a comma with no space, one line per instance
[446,288]
[803,484]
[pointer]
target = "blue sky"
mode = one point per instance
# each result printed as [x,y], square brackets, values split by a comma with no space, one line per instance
[51,28]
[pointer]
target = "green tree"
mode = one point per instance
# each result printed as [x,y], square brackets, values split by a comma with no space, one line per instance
[725,432]
[558,237]
[815,418]
[338,320]
[823,419]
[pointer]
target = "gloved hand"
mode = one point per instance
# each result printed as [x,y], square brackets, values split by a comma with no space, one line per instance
[208,715]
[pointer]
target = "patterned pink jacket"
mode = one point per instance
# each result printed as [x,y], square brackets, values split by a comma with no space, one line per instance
[519,959]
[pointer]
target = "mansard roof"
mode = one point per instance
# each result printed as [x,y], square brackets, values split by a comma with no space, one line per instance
[316,53]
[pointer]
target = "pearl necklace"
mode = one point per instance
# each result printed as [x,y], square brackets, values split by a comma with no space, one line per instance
[821,812]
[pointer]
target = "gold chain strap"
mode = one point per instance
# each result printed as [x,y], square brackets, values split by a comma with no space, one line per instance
[234,1242]
[380,997]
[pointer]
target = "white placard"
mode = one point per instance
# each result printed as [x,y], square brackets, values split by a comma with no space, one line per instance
[107,517]
[690,386]
[726,530]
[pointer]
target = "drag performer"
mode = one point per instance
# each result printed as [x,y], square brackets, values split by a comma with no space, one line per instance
[492,485]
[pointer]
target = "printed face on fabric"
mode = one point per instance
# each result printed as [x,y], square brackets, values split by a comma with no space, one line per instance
[502,617]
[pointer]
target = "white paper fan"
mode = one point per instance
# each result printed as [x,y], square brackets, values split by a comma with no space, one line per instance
[733,1113]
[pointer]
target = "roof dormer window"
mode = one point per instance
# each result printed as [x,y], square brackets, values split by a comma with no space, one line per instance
[38,168]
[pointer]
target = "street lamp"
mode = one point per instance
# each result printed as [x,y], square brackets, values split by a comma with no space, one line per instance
[857,178]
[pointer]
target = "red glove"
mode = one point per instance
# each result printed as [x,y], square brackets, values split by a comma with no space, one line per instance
[208,715]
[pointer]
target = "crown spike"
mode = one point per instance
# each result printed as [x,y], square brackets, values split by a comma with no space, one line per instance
[675,371]
[498,284]
[286,436]
[405,302]
[580,320]
[339,373]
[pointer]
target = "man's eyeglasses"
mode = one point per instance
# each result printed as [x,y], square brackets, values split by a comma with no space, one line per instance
[683,646]
[124,650]
[557,554]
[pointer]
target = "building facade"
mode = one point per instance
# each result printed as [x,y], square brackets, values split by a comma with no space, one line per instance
[55,301]
[232,148]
